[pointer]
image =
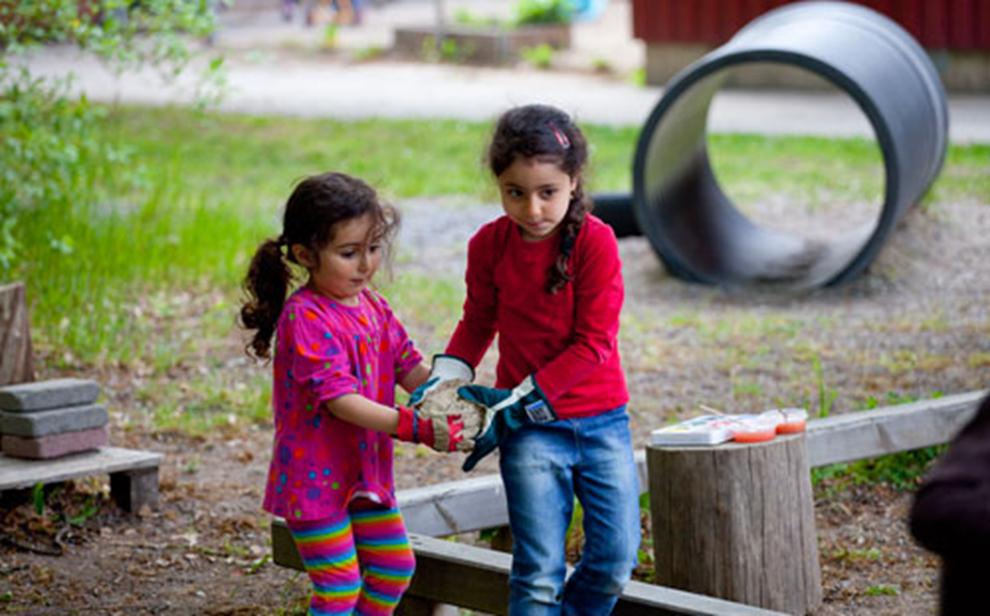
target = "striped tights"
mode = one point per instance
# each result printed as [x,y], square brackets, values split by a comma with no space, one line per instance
[359,564]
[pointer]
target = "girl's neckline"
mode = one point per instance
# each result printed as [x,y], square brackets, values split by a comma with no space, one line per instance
[336,302]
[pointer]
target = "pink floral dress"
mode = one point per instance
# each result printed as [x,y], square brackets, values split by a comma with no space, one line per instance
[324,350]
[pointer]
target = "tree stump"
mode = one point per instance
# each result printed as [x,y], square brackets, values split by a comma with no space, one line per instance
[737,522]
[16,361]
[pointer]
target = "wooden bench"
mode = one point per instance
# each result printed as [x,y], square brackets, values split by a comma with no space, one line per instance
[133,473]
[479,502]
[478,579]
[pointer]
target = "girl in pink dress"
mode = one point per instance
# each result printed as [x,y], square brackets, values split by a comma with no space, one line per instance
[339,352]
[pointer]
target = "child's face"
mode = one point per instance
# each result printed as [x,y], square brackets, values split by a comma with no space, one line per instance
[345,266]
[535,195]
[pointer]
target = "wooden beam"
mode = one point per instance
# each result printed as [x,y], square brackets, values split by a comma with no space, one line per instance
[478,579]
[478,503]
[455,507]
[16,359]
[892,429]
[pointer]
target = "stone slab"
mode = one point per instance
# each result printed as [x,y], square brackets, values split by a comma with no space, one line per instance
[54,421]
[50,394]
[16,473]
[54,445]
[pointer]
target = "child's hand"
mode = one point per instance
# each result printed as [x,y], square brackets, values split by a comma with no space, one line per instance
[445,368]
[507,410]
[442,434]
[444,401]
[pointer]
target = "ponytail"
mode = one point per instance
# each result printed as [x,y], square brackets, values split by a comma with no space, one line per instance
[266,284]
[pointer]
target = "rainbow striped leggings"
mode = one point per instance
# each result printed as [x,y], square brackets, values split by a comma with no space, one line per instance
[359,564]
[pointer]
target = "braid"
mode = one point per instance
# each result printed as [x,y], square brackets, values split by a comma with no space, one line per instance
[559,274]
[266,285]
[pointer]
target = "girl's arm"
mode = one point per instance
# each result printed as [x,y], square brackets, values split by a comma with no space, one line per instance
[361,411]
[415,377]
[440,433]
[476,329]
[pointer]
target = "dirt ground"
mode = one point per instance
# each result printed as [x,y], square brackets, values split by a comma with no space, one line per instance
[914,325]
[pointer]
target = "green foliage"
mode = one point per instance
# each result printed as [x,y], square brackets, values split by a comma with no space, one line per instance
[637,77]
[47,154]
[893,398]
[826,395]
[880,590]
[533,12]
[464,17]
[151,205]
[901,471]
[540,56]
[47,158]
[38,498]
[109,28]
[448,50]
[329,40]
[367,54]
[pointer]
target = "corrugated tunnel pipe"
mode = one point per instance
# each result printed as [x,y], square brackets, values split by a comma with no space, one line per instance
[677,202]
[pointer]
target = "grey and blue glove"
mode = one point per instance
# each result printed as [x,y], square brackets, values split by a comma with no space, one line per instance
[507,410]
[445,368]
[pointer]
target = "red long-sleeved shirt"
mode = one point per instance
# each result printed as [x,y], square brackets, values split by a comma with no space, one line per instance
[569,339]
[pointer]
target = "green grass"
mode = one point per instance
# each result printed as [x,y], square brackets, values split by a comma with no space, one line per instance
[213,185]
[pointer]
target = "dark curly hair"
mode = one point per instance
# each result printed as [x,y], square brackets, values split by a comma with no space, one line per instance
[316,206]
[548,134]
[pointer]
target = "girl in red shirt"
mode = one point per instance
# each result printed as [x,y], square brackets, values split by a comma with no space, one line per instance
[546,277]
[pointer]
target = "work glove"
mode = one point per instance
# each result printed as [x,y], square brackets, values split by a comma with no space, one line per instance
[439,433]
[507,410]
[445,368]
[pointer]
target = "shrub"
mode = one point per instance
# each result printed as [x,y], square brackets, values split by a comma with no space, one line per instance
[534,12]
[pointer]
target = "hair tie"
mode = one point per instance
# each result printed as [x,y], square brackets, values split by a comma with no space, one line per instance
[561,137]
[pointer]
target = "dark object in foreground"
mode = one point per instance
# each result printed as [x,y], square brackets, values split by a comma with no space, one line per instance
[951,515]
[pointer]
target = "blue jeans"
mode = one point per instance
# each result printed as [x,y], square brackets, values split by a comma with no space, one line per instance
[543,468]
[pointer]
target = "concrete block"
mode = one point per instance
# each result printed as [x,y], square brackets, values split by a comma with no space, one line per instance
[54,445]
[53,421]
[51,394]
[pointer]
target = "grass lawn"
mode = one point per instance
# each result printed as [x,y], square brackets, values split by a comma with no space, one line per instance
[113,276]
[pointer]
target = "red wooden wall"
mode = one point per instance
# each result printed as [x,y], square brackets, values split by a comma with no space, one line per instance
[936,24]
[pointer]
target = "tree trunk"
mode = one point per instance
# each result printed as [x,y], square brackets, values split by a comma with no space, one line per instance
[737,522]
[16,362]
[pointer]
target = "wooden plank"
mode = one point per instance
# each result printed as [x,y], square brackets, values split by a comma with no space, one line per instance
[16,473]
[16,359]
[868,434]
[478,503]
[455,507]
[477,579]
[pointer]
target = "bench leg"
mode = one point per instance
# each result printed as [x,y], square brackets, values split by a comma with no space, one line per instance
[415,606]
[134,489]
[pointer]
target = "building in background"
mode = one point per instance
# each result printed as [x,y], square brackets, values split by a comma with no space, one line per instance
[956,34]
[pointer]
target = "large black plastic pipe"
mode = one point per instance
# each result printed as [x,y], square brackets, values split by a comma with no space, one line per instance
[695,228]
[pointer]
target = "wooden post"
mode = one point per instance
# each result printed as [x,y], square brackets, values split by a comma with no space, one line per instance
[16,362]
[737,522]
[133,489]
